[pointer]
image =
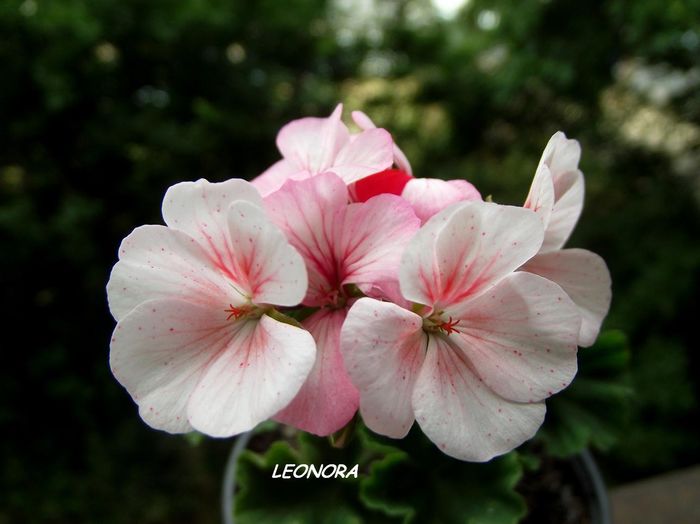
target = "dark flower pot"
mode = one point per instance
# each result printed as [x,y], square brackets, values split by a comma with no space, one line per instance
[566,491]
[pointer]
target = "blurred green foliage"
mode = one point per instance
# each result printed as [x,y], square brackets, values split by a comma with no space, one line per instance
[104,104]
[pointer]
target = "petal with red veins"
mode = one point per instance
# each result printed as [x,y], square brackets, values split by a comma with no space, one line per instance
[365,123]
[273,271]
[569,193]
[158,262]
[311,143]
[461,415]
[327,400]
[520,337]
[585,278]
[383,346]
[369,152]
[277,174]
[466,248]
[257,373]
[371,237]
[306,212]
[200,210]
[429,196]
[160,350]
[540,199]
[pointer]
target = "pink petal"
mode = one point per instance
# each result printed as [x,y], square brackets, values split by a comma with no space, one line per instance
[461,415]
[160,350]
[258,371]
[540,199]
[306,211]
[276,175]
[371,237]
[520,337]
[365,123]
[261,258]
[585,278]
[569,193]
[327,400]
[158,262]
[311,143]
[465,249]
[368,153]
[383,347]
[429,196]
[200,209]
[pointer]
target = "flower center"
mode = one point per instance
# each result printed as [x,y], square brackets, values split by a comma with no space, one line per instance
[436,324]
[245,311]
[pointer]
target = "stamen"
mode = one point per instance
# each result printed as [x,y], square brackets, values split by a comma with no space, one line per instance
[235,312]
[449,326]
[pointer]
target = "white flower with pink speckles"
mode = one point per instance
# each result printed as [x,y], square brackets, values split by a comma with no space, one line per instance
[197,345]
[486,345]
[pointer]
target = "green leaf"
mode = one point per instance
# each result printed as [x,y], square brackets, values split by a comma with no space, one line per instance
[261,499]
[592,411]
[420,484]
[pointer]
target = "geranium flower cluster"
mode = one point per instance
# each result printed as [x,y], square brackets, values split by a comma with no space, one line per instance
[337,281]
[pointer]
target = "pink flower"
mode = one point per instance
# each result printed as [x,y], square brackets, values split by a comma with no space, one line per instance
[556,195]
[196,344]
[429,196]
[341,244]
[488,346]
[310,146]
[400,160]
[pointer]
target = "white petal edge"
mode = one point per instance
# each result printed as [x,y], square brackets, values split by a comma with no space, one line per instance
[461,415]
[258,374]
[466,248]
[520,337]
[585,277]
[383,347]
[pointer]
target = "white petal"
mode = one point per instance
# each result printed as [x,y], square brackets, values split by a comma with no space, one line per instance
[461,415]
[520,337]
[569,194]
[273,269]
[561,154]
[465,249]
[259,372]
[160,350]
[199,209]
[158,262]
[328,399]
[383,346]
[585,278]
[540,199]
[429,196]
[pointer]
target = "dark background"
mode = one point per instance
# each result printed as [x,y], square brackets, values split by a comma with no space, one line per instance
[104,104]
